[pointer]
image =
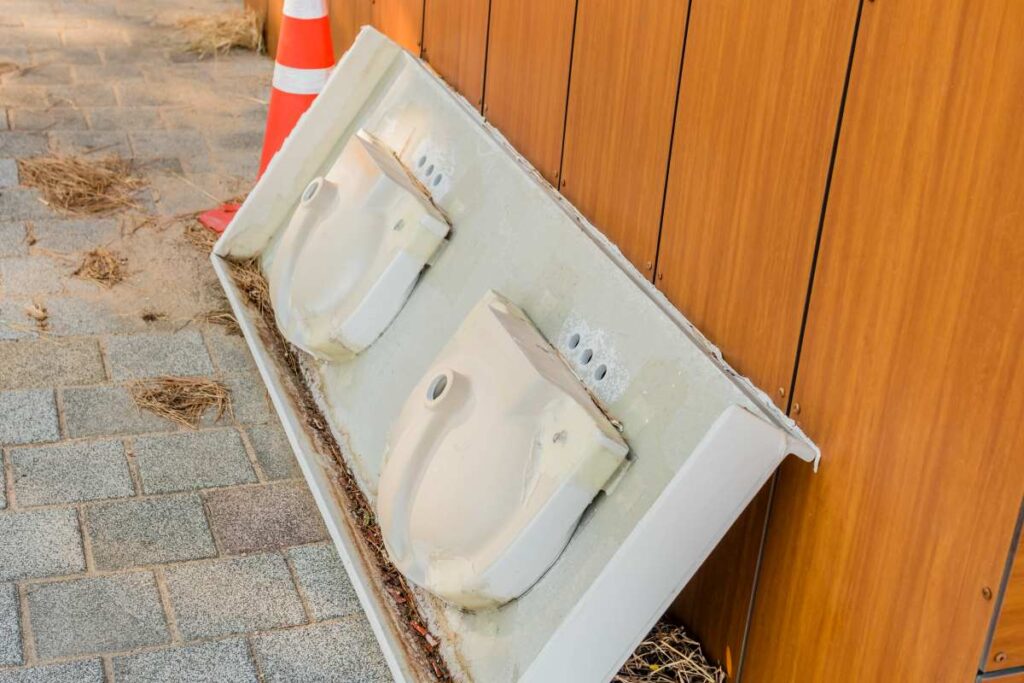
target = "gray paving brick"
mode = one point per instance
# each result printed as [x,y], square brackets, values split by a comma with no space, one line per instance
[8,173]
[102,142]
[230,352]
[273,452]
[70,472]
[153,354]
[93,615]
[192,460]
[40,543]
[139,532]
[32,275]
[134,94]
[81,95]
[83,55]
[225,661]
[125,118]
[264,517]
[58,118]
[23,144]
[324,582]
[10,626]
[326,653]
[12,239]
[88,671]
[45,74]
[223,597]
[250,403]
[167,143]
[34,38]
[93,411]
[73,235]
[72,316]
[21,203]
[106,73]
[49,362]
[28,416]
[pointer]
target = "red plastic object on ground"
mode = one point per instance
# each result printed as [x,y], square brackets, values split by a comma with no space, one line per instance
[218,219]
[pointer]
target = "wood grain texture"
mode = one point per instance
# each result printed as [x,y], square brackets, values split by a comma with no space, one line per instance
[455,44]
[715,603]
[755,125]
[758,104]
[1008,639]
[347,17]
[400,20]
[622,95]
[911,377]
[527,87]
[272,27]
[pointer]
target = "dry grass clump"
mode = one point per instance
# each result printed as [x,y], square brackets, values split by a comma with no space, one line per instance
[200,236]
[8,67]
[38,312]
[217,34]
[82,186]
[225,318]
[250,280]
[669,655]
[103,267]
[183,400]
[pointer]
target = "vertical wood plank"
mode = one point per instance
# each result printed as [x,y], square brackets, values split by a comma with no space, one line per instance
[1007,649]
[347,17]
[272,29]
[622,96]
[911,376]
[528,76]
[455,43]
[755,125]
[400,20]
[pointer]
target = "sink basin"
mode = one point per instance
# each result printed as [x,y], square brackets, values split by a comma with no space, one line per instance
[362,234]
[493,459]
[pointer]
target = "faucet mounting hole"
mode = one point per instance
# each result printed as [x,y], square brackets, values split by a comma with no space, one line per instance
[574,341]
[586,356]
[437,387]
[600,372]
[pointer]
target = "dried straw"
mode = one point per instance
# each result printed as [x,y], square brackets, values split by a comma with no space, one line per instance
[82,186]
[669,655]
[38,312]
[218,34]
[250,280]
[183,400]
[102,267]
[225,318]
[200,236]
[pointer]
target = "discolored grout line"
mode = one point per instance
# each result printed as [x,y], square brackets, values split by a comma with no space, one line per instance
[307,607]
[83,529]
[28,644]
[128,443]
[168,607]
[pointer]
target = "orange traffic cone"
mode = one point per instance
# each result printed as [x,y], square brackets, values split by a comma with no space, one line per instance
[305,57]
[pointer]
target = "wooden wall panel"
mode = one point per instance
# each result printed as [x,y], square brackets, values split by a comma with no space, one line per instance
[347,17]
[622,96]
[455,44]
[400,20]
[1008,640]
[527,87]
[758,104]
[911,376]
